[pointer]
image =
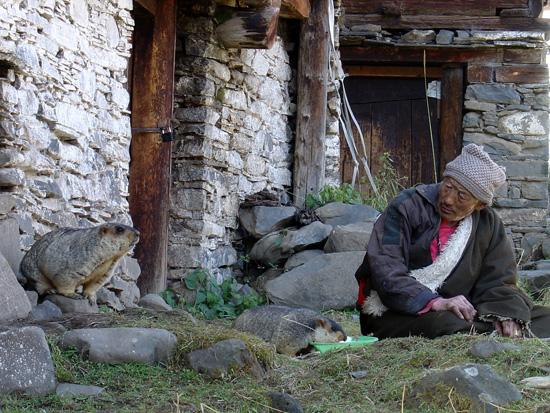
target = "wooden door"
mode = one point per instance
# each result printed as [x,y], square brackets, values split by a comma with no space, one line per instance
[152,76]
[393,117]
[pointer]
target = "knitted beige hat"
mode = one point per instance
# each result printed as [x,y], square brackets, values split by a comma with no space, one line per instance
[476,171]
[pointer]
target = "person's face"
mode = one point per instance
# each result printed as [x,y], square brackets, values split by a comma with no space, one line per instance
[455,202]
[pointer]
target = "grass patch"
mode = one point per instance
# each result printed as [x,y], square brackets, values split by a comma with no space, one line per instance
[322,383]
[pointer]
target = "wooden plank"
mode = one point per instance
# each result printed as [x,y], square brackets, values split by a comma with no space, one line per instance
[511,4]
[449,22]
[392,71]
[250,29]
[452,98]
[392,54]
[313,59]
[515,13]
[480,74]
[369,90]
[425,7]
[152,100]
[524,55]
[422,162]
[522,74]
[391,132]
[149,5]
[295,9]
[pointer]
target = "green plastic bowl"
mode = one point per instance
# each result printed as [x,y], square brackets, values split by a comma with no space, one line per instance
[360,341]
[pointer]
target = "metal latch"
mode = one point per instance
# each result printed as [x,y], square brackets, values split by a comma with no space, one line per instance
[166,133]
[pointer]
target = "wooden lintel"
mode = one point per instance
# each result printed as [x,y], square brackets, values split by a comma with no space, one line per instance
[450,22]
[149,5]
[295,9]
[414,54]
[250,29]
[393,71]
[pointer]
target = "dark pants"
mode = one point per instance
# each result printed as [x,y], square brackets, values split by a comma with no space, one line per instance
[440,323]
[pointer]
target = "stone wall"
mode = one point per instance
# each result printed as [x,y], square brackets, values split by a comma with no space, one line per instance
[505,110]
[65,125]
[234,134]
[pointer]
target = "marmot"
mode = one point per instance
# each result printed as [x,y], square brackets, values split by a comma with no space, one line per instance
[68,258]
[292,330]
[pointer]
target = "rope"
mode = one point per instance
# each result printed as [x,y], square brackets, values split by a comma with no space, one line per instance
[429,116]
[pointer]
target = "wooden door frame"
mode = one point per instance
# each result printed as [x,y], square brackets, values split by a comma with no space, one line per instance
[452,98]
[152,97]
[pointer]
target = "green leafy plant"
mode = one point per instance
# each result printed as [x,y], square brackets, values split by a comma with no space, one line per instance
[171,297]
[214,300]
[344,193]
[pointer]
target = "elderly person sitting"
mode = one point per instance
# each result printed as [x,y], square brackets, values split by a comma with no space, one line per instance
[439,261]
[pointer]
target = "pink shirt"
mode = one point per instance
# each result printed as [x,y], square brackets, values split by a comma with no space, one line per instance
[436,246]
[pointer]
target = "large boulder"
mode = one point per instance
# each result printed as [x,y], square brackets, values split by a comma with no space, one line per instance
[306,237]
[536,280]
[477,382]
[338,213]
[222,358]
[122,345]
[14,303]
[259,221]
[327,282]
[45,311]
[25,362]
[352,237]
[10,246]
[154,302]
[301,258]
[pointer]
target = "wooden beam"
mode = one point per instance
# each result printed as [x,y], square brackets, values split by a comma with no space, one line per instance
[250,29]
[393,54]
[393,71]
[450,127]
[425,7]
[152,100]
[522,74]
[313,60]
[295,9]
[449,22]
[149,5]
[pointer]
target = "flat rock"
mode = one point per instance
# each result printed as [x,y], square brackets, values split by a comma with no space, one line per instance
[25,362]
[543,264]
[486,348]
[14,303]
[306,237]
[72,305]
[45,311]
[10,243]
[493,93]
[223,357]
[352,237]
[284,402]
[122,345]
[259,221]
[7,203]
[338,213]
[542,382]
[419,36]
[321,284]
[301,258]
[444,37]
[154,302]
[109,298]
[70,390]
[477,382]
[536,280]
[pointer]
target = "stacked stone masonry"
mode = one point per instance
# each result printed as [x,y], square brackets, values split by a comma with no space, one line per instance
[64,118]
[505,110]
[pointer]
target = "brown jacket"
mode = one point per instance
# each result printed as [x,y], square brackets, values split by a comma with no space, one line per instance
[485,275]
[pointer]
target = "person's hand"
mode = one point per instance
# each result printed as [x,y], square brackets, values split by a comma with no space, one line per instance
[459,305]
[508,328]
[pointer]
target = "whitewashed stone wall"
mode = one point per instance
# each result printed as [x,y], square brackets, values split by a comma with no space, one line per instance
[65,125]
[235,110]
[505,110]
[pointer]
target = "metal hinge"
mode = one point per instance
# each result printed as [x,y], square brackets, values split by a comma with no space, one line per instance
[166,133]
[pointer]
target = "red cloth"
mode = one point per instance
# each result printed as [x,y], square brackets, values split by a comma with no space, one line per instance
[445,232]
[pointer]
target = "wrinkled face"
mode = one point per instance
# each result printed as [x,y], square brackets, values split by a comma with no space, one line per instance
[455,202]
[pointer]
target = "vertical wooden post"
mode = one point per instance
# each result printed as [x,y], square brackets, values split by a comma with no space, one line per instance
[452,100]
[313,66]
[152,101]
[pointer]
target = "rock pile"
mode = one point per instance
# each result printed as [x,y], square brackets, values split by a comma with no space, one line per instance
[319,259]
